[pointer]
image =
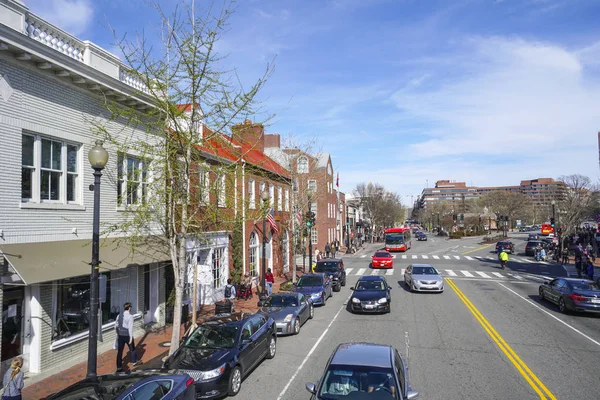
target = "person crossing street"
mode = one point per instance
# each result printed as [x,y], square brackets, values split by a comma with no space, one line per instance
[503,258]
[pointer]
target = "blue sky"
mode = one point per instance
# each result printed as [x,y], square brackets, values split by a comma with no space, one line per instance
[402,92]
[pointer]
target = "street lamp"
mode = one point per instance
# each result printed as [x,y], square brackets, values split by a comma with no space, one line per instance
[265,198]
[98,157]
[310,228]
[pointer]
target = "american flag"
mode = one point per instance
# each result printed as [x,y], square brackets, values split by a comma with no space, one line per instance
[271,219]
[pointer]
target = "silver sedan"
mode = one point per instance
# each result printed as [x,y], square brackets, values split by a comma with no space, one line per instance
[423,278]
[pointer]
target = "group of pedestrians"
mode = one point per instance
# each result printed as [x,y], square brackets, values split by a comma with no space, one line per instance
[584,264]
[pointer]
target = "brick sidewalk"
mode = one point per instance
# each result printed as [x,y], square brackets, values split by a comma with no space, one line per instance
[147,346]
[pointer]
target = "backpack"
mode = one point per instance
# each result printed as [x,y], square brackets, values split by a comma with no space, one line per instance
[121,330]
[227,291]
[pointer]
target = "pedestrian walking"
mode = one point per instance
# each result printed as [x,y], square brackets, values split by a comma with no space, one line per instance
[333,250]
[229,293]
[327,249]
[269,281]
[578,265]
[13,380]
[124,327]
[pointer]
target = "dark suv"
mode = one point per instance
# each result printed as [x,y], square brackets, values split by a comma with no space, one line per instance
[505,245]
[334,267]
[532,244]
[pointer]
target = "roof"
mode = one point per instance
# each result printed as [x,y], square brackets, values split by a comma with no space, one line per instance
[363,354]
[279,156]
[234,318]
[322,159]
[329,260]
[420,265]
[372,278]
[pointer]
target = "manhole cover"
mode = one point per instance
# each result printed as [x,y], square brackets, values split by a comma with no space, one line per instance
[165,344]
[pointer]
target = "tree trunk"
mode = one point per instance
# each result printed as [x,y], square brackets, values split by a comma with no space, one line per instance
[179,272]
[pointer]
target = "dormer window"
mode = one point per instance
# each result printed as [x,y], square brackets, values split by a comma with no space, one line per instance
[303,165]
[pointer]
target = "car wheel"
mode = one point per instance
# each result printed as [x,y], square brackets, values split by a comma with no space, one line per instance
[297,326]
[562,306]
[235,381]
[344,282]
[311,312]
[337,288]
[541,294]
[413,288]
[272,347]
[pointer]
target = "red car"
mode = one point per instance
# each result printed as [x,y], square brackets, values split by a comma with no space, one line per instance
[382,259]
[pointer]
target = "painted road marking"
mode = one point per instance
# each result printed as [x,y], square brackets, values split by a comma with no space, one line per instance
[457,257]
[402,271]
[312,350]
[348,270]
[424,256]
[542,391]
[469,258]
[446,257]
[436,257]
[482,274]
[404,256]
[375,272]
[467,274]
[389,272]
[394,256]
[479,248]
[414,256]
[491,258]
[516,276]
[498,274]
[363,256]
[451,273]
[553,316]
[361,271]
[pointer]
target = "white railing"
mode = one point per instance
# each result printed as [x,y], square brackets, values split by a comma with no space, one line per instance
[38,29]
[132,80]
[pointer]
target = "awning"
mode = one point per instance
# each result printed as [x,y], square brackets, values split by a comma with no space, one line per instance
[49,261]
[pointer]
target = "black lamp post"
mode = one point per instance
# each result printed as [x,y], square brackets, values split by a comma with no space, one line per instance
[98,157]
[265,198]
[310,228]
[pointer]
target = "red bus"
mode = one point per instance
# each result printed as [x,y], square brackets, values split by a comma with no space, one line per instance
[547,229]
[398,239]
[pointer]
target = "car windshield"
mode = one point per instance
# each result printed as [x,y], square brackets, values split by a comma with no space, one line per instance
[326,266]
[503,243]
[593,286]
[343,381]
[370,285]
[281,301]
[382,255]
[213,336]
[424,271]
[310,281]
[533,244]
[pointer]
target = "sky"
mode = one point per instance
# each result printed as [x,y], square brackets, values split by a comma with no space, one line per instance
[407,92]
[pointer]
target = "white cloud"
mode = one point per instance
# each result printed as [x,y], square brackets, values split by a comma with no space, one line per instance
[72,16]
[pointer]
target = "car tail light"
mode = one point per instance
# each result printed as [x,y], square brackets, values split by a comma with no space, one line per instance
[578,297]
[189,382]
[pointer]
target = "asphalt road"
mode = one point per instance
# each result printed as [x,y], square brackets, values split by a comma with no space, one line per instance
[483,338]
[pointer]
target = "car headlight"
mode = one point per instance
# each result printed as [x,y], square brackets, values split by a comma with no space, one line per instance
[355,300]
[288,318]
[215,373]
[382,300]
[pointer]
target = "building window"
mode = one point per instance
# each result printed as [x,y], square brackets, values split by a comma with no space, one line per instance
[312,185]
[303,165]
[222,191]
[132,177]
[49,170]
[287,200]
[217,266]
[279,198]
[71,310]
[253,254]
[204,186]
[271,196]
[313,236]
[251,194]
[262,187]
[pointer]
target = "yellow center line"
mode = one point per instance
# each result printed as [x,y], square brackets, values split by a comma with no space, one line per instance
[479,248]
[523,369]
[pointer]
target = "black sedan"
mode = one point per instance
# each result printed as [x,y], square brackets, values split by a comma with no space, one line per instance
[572,294]
[223,350]
[364,371]
[334,267]
[505,245]
[371,294]
[421,236]
[289,310]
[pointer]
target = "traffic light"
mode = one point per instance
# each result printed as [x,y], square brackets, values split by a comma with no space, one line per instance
[310,219]
[552,221]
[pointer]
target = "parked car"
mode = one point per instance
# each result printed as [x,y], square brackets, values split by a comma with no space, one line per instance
[572,294]
[505,245]
[289,310]
[371,294]
[364,371]
[151,385]
[421,236]
[334,267]
[317,286]
[382,259]
[222,351]
[423,278]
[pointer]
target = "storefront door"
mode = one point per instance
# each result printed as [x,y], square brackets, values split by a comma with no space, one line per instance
[12,324]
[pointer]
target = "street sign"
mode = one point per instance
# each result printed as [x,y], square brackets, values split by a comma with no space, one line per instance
[518,222]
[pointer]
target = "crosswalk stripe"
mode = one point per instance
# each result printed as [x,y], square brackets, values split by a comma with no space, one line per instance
[404,256]
[446,257]
[414,256]
[363,256]
[375,272]
[467,274]
[394,256]
[482,274]
[361,271]
[491,258]
[515,276]
[348,270]
[469,258]
[436,257]
[424,256]
[526,260]
[402,271]
[451,273]
[457,257]
[498,274]
[389,272]
[478,257]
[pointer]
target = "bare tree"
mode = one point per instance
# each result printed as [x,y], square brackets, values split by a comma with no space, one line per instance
[382,207]
[504,203]
[579,201]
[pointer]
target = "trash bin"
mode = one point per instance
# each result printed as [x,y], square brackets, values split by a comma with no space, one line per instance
[223,307]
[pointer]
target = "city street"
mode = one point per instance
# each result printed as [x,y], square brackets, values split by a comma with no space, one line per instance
[487,336]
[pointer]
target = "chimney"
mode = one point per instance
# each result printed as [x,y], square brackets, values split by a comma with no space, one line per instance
[253,134]
[273,140]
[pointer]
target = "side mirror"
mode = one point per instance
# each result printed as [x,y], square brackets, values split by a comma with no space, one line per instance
[352,288]
[389,288]
[412,395]
[311,388]
[246,341]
